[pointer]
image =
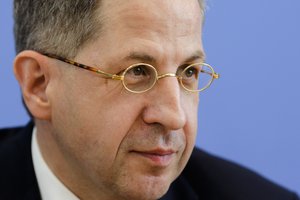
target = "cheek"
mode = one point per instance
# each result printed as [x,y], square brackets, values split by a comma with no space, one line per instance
[190,129]
[91,126]
[191,112]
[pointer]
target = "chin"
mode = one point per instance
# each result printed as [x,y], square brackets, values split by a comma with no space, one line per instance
[151,188]
[152,194]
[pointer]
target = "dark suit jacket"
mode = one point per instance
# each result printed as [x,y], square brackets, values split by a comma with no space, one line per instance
[205,177]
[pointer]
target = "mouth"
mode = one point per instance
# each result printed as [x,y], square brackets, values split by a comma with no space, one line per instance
[157,157]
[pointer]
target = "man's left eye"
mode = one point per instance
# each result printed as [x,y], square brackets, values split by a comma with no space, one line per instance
[192,71]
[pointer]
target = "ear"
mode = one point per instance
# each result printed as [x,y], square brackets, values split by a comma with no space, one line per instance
[31,71]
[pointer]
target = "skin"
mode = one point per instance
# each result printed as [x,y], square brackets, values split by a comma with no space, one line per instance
[100,140]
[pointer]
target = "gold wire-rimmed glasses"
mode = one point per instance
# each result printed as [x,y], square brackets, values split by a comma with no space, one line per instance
[141,77]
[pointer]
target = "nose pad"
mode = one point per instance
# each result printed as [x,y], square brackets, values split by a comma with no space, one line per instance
[165,105]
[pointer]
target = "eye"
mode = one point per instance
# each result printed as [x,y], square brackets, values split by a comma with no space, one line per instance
[190,76]
[139,77]
[138,71]
[191,72]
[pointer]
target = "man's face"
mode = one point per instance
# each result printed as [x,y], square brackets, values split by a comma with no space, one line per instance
[125,145]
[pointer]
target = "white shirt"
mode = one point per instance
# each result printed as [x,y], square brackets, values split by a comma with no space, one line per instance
[51,188]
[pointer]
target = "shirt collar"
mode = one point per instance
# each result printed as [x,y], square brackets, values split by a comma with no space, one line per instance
[50,186]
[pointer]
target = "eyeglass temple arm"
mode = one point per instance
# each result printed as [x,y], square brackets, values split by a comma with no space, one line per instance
[214,75]
[93,69]
[98,71]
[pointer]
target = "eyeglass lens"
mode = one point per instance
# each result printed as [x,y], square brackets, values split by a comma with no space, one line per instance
[141,77]
[196,77]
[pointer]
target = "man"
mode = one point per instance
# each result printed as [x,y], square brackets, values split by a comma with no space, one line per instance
[122,124]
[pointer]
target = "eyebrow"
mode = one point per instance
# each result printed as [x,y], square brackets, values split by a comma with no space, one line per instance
[142,57]
[198,55]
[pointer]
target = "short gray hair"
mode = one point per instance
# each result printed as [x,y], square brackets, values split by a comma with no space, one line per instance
[57,26]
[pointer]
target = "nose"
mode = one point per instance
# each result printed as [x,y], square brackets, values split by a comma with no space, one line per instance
[165,105]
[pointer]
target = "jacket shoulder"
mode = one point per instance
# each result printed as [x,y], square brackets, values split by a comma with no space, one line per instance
[6,133]
[17,177]
[214,178]
[10,142]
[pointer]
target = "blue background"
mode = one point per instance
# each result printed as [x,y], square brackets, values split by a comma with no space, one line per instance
[252,114]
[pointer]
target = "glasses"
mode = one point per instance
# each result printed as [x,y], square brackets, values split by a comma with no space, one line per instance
[141,77]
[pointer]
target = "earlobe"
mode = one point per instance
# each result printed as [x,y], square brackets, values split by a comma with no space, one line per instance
[32,73]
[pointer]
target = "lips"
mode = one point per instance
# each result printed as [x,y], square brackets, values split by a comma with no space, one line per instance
[157,157]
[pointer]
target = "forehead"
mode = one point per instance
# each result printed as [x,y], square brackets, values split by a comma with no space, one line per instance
[162,28]
[178,15]
[168,13]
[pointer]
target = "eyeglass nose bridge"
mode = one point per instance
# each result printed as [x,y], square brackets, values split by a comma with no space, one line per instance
[166,75]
